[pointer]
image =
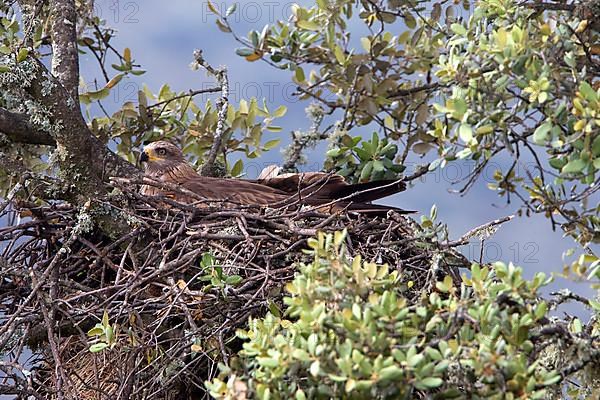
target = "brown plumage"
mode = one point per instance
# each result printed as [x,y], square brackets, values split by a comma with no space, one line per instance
[330,193]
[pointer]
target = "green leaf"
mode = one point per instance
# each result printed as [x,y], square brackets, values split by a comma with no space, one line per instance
[231,9]
[110,334]
[339,54]
[127,55]
[207,260]
[459,29]
[267,362]
[574,166]
[366,44]
[333,152]
[121,68]
[237,168]
[96,330]
[323,4]
[315,368]
[222,26]
[98,347]
[312,343]
[596,146]
[299,74]
[271,144]
[410,21]
[280,112]
[465,132]
[22,55]
[309,25]
[594,304]
[557,162]
[393,372]
[105,319]
[378,166]
[114,81]
[554,378]
[244,52]
[99,94]
[233,280]
[540,310]
[415,360]
[587,91]
[212,8]
[301,355]
[429,383]
[365,174]
[540,136]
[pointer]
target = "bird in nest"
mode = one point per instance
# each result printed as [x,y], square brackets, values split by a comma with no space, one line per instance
[329,193]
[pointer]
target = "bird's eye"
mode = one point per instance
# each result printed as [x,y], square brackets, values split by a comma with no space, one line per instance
[161,152]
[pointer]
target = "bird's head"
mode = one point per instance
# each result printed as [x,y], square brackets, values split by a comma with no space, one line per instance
[161,156]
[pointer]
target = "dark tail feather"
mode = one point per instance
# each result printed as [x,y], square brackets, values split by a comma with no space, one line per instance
[369,191]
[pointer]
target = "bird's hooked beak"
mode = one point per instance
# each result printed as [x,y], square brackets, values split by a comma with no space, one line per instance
[144,158]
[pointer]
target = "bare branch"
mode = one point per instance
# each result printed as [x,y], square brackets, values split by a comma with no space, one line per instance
[221,76]
[413,90]
[484,230]
[65,60]
[18,129]
[419,172]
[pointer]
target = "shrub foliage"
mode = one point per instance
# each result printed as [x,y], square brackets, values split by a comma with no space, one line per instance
[350,332]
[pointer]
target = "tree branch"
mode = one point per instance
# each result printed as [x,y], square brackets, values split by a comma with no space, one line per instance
[221,76]
[83,160]
[18,129]
[413,90]
[484,230]
[65,60]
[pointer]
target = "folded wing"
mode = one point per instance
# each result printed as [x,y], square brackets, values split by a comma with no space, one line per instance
[321,188]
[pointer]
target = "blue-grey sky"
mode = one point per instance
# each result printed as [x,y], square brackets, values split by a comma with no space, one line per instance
[162,36]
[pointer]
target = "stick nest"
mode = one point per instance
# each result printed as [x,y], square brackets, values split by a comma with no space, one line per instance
[171,292]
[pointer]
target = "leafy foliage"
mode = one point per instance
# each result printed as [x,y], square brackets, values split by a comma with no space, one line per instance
[349,332]
[371,161]
[104,333]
